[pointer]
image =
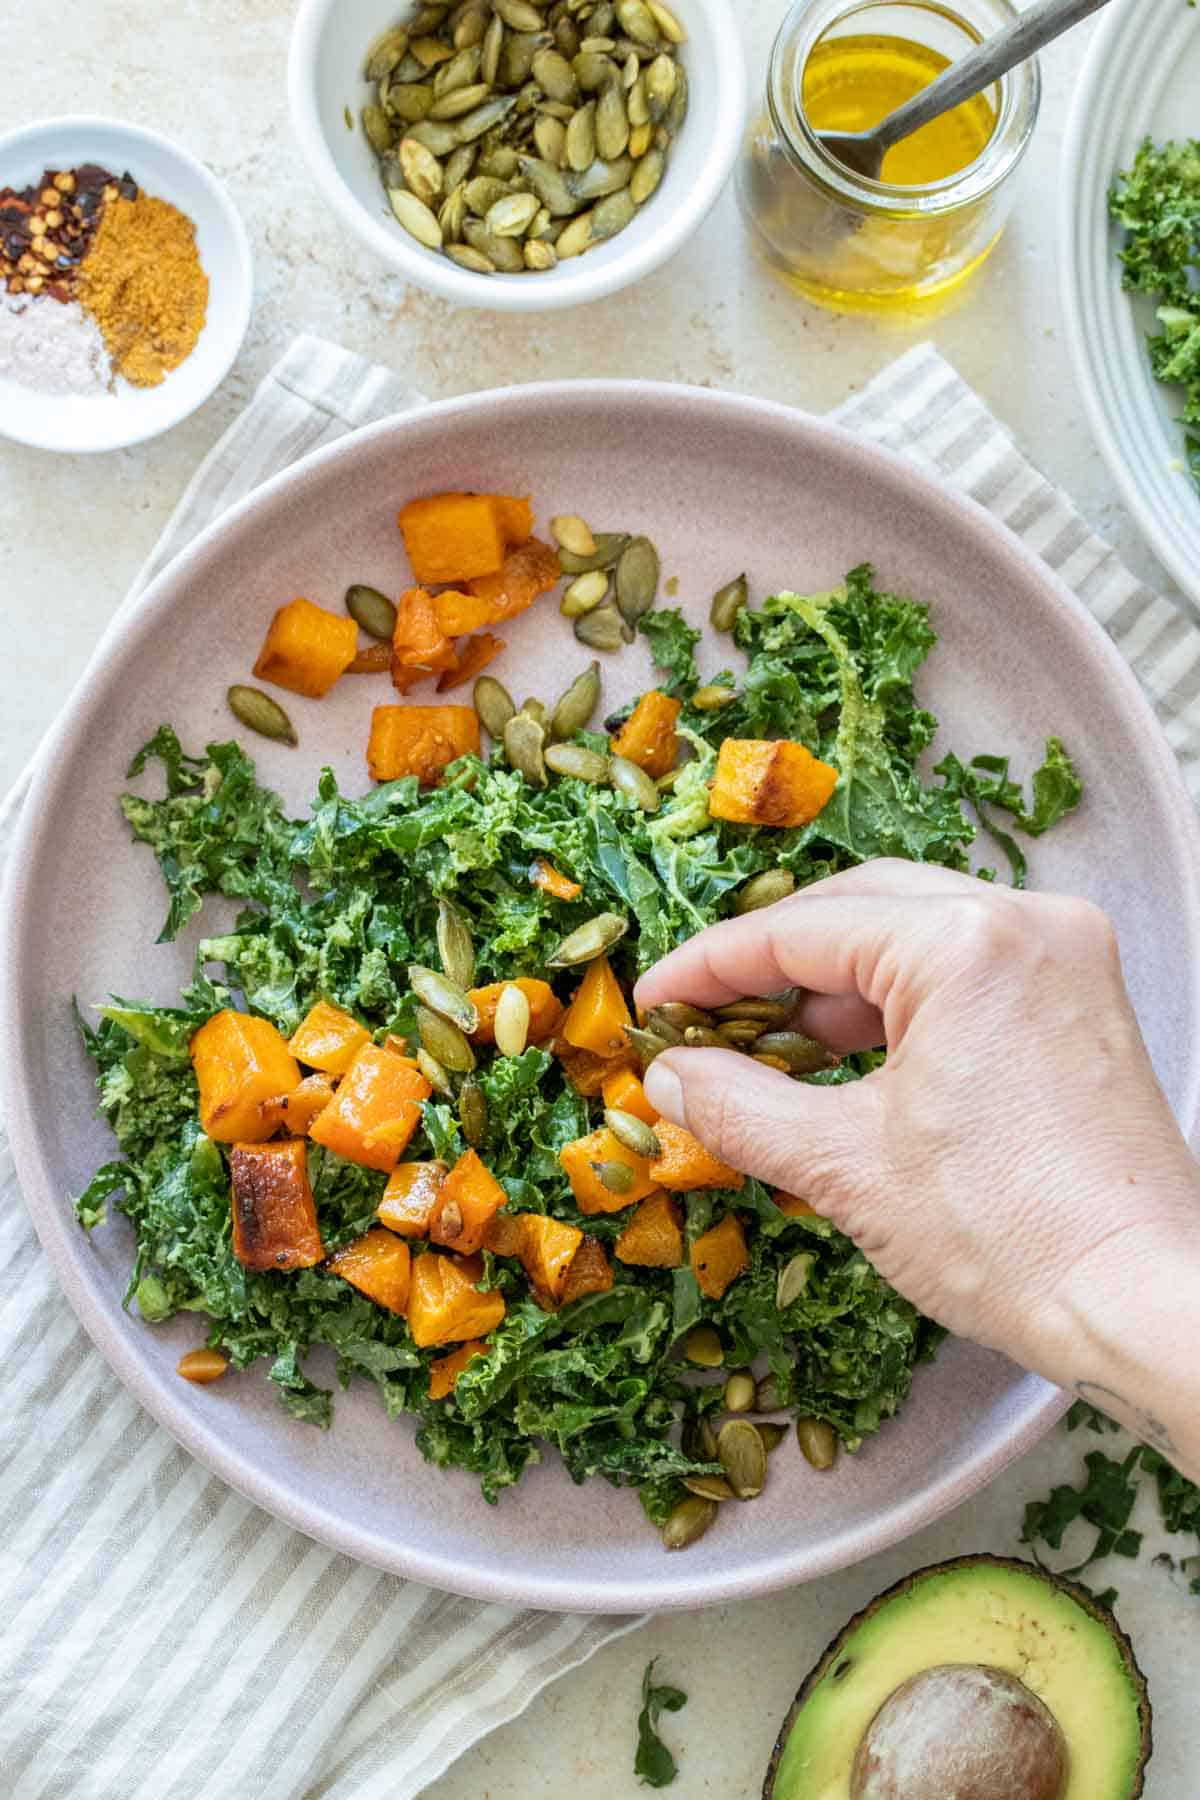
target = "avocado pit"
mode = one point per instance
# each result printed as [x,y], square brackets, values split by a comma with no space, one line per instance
[961,1731]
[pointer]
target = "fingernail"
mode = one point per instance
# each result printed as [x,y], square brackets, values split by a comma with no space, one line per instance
[664,1091]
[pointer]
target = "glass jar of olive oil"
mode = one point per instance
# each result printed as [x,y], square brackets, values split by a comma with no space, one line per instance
[944,193]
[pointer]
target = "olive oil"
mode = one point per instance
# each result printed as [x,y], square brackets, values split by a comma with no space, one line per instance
[852,82]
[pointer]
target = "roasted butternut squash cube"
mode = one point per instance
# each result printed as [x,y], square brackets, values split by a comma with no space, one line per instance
[653,1238]
[467,1199]
[452,537]
[515,516]
[719,1256]
[648,736]
[548,1249]
[527,572]
[459,613]
[378,1265]
[583,1158]
[375,1110]
[686,1164]
[761,781]
[328,1038]
[793,1206]
[596,1017]
[590,1272]
[274,1215]
[410,1196]
[296,1111]
[420,741]
[419,645]
[623,1092]
[544,875]
[586,1071]
[445,1306]
[472,656]
[445,1370]
[240,1061]
[545,1008]
[307,649]
[503,1234]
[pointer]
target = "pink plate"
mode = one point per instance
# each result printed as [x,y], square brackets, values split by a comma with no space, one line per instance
[721,484]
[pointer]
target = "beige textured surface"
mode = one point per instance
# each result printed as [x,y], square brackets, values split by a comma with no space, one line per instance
[73,532]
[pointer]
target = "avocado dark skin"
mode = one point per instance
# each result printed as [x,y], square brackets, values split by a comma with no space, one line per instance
[821,1713]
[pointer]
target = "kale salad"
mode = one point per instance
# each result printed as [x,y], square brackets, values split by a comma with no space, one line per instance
[580,1326]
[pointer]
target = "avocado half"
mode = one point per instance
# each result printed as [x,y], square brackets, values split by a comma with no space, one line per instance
[1045,1630]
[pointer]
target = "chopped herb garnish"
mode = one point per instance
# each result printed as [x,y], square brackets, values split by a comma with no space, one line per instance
[653,1763]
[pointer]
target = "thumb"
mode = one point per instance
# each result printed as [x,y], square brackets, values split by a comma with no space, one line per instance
[821,1143]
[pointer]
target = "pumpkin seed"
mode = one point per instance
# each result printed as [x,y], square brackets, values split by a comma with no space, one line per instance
[573,533]
[713,697]
[793,1279]
[632,1133]
[442,995]
[658,1021]
[550,186]
[616,1176]
[416,218]
[588,941]
[409,101]
[510,216]
[727,603]
[435,1073]
[550,137]
[741,1033]
[460,72]
[584,593]
[473,1111]
[428,51]
[452,215]
[677,111]
[534,709]
[612,215]
[544,230]
[422,170]
[687,1522]
[427,18]
[818,1441]
[679,1015]
[483,118]
[512,1020]
[372,610]
[660,78]
[601,178]
[483,191]
[637,571]
[771,1062]
[470,28]
[612,122]
[632,65]
[574,761]
[742,1455]
[499,160]
[771,1012]
[709,1487]
[468,258]
[603,19]
[443,1040]
[523,739]
[566,36]
[609,545]
[493,41]
[503,253]
[592,71]
[576,706]
[803,1055]
[771,1434]
[462,101]
[646,177]
[637,21]
[388,50]
[698,1439]
[493,705]
[519,14]
[637,105]
[555,76]
[436,135]
[648,1044]
[516,59]
[640,139]
[377,128]
[767,1397]
[258,712]
[739,1392]
[455,947]
[666,21]
[458,166]
[600,628]
[598,46]
[703,1348]
[538,255]
[632,781]
[702,1037]
[580,143]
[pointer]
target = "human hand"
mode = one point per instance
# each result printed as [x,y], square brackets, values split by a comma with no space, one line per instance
[1014,1156]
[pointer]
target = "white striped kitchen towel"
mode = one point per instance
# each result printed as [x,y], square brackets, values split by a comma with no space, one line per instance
[162,1636]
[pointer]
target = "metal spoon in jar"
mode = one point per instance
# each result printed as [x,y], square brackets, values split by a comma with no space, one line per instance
[864,151]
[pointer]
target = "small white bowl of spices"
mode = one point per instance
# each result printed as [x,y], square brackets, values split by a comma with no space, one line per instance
[125,284]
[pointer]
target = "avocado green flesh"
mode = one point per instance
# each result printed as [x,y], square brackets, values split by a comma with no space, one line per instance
[978,1613]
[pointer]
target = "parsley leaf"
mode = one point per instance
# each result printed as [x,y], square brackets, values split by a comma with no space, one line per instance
[653,1763]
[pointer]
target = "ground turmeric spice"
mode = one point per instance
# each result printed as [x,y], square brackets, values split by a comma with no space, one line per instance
[143,283]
